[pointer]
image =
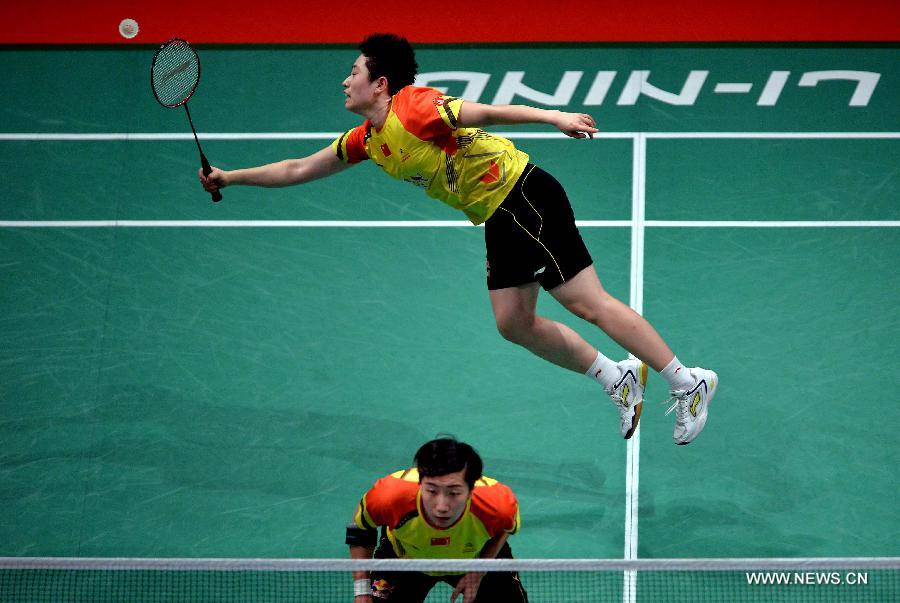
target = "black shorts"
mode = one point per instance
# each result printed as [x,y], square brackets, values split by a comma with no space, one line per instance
[532,236]
[413,587]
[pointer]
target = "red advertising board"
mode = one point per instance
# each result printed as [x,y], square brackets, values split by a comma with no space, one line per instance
[462,21]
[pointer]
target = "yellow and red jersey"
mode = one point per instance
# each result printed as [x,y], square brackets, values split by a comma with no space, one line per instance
[422,143]
[395,502]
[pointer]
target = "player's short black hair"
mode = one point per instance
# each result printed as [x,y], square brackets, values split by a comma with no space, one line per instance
[391,56]
[448,455]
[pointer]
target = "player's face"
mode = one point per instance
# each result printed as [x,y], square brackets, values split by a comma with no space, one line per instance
[444,498]
[359,91]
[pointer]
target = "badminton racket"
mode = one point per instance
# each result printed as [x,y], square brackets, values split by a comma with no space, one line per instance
[174,75]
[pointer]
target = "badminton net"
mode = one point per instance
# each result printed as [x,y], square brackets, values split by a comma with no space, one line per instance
[34,579]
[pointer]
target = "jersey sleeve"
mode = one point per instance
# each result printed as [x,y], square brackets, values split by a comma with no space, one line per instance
[350,147]
[362,518]
[448,110]
[386,502]
[427,113]
[496,506]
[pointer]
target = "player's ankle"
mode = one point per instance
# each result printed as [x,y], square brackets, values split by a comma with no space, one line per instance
[677,375]
[604,371]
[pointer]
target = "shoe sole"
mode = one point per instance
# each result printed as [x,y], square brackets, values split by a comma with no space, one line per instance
[642,375]
[702,419]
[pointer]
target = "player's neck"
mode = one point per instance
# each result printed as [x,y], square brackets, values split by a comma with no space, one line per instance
[378,112]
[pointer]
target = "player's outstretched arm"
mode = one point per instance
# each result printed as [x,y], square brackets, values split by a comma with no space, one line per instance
[361,578]
[362,546]
[282,173]
[576,125]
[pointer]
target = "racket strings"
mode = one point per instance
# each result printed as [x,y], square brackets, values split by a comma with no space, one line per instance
[175,73]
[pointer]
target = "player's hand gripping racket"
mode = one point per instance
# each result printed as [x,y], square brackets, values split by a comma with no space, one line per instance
[174,76]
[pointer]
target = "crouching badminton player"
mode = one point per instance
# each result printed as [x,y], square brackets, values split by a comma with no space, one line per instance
[442,508]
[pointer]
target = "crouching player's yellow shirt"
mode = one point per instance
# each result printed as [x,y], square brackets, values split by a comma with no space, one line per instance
[421,143]
[396,503]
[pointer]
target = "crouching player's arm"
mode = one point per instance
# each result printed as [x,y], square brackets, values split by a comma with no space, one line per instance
[468,584]
[362,546]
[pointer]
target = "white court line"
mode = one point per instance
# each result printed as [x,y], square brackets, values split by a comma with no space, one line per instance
[778,135]
[633,447]
[157,136]
[772,224]
[235,224]
[125,136]
[436,224]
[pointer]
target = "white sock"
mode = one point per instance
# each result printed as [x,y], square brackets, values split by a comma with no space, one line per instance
[678,376]
[604,371]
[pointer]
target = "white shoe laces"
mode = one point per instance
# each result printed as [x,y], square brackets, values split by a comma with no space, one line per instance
[619,401]
[679,405]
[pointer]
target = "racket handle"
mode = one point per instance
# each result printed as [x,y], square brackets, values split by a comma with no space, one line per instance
[207,170]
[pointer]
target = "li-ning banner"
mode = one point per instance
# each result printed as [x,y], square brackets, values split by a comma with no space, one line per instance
[626,89]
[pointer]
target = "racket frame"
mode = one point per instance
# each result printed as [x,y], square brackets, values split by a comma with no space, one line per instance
[204,162]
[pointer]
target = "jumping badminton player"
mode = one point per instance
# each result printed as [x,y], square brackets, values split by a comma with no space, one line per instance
[435,142]
[443,508]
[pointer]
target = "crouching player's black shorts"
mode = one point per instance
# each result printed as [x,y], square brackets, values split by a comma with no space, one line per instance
[532,236]
[413,587]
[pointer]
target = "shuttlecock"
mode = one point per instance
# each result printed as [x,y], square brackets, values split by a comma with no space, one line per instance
[128,28]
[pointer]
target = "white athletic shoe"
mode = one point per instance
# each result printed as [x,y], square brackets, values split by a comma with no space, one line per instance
[691,405]
[628,394]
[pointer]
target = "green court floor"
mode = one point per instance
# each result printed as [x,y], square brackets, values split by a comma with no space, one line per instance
[204,391]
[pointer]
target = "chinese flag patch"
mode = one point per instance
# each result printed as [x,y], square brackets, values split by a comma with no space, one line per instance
[445,541]
[385,150]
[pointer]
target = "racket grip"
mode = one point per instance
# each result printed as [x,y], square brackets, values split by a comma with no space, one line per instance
[204,163]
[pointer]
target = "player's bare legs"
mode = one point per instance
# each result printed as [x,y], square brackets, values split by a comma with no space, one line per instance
[514,311]
[585,297]
[692,389]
